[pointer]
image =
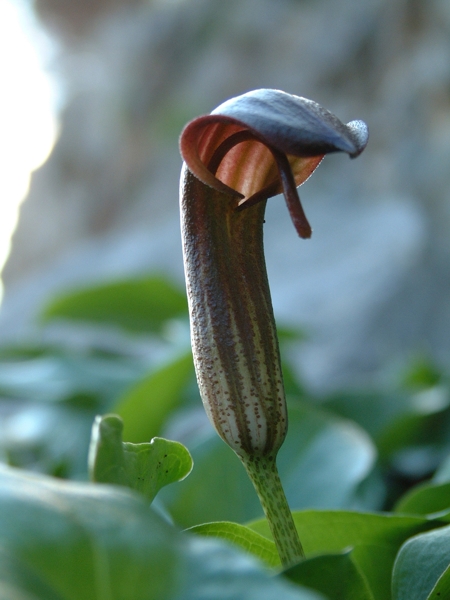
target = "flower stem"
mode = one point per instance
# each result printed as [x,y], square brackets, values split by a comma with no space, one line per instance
[263,474]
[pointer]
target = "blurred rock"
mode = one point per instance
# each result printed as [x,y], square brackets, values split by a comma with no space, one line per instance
[373,284]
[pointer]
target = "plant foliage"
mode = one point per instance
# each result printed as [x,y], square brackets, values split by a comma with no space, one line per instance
[367,474]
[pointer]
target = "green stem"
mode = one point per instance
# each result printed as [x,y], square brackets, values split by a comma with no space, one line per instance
[263,474]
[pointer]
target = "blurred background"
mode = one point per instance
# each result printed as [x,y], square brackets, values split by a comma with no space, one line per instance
[115,81]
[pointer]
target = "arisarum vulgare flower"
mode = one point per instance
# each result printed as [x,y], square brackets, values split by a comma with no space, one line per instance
[248,149]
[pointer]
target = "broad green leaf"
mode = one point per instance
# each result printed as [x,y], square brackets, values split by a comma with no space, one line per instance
[442,474]
[218,489]
[145,467]
[422,568]
[442,587]
[396,420]
[324,459]
[375,539]
[82,541]
[322,464]
[373,410]
[292,385]
[336,575]
[422,372]
[287,333]
[54,398]
[418,431]
[217,571]
[425,499]
[57,376]
[70,541]
[138,305]
[20,582]
[145,407]
[241,536]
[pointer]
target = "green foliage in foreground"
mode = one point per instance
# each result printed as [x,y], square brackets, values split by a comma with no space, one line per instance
[77,541]
[145,467]
[367,473]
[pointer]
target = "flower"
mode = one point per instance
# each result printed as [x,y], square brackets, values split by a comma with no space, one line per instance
[248,149]
[266,141]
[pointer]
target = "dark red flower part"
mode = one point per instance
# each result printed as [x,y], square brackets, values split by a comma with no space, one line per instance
[265,142]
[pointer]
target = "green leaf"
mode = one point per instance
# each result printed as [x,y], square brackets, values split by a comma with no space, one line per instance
[289,333]
[143,467]
[336,575]
[217,571]
[422,568]
[19,582]
[373,410]
[375,539]
[442,474]
[394,419]
[57,375]
[322,464]
[324,459]
[425,499]
[138,305]
[218,488]
[421,372]
[442,588]
[414,430]
[55,396]
[145,407]
[241,536]
[71,541]
[82,541]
